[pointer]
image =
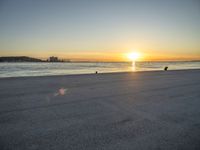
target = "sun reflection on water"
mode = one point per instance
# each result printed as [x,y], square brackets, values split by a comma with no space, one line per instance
[133,67]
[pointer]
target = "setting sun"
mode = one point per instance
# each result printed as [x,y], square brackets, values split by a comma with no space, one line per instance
[133,56]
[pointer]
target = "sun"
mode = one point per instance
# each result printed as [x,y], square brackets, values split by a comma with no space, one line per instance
[133,56]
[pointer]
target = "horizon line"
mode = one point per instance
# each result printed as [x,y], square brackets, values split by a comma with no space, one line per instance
[102,61]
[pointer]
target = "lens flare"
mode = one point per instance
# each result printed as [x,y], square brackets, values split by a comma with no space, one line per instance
[61,92]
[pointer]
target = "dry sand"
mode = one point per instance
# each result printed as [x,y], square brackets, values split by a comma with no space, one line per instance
[142,111]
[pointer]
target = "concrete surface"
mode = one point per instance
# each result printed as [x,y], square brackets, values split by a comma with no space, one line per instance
[142,111]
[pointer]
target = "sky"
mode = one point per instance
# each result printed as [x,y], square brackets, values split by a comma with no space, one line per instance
[103,30]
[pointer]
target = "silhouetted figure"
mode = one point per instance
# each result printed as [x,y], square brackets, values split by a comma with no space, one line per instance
[96,72]
[166,68]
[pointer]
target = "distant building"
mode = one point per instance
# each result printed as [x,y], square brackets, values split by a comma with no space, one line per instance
[53,59]
[56,59]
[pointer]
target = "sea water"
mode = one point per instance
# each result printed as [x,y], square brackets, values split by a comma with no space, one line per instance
[46,69]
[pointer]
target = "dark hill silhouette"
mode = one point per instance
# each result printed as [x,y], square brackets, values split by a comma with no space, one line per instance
[19,59]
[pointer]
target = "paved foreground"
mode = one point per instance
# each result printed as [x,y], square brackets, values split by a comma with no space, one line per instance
[142,111]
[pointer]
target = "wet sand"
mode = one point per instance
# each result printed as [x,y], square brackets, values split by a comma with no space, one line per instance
[142,110]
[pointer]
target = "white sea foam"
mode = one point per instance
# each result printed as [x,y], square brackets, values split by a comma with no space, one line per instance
[44,69]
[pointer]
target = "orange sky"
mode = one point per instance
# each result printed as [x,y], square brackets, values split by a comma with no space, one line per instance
[109,56]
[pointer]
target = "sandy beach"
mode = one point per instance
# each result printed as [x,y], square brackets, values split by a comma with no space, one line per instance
[138,110]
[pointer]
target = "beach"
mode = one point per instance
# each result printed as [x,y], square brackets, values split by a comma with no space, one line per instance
[111,111]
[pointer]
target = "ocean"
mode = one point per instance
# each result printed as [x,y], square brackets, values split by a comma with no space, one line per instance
[47,69]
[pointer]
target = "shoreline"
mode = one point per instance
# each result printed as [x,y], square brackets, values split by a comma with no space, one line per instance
[101,73]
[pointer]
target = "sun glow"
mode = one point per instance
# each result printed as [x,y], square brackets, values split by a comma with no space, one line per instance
[133,56]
